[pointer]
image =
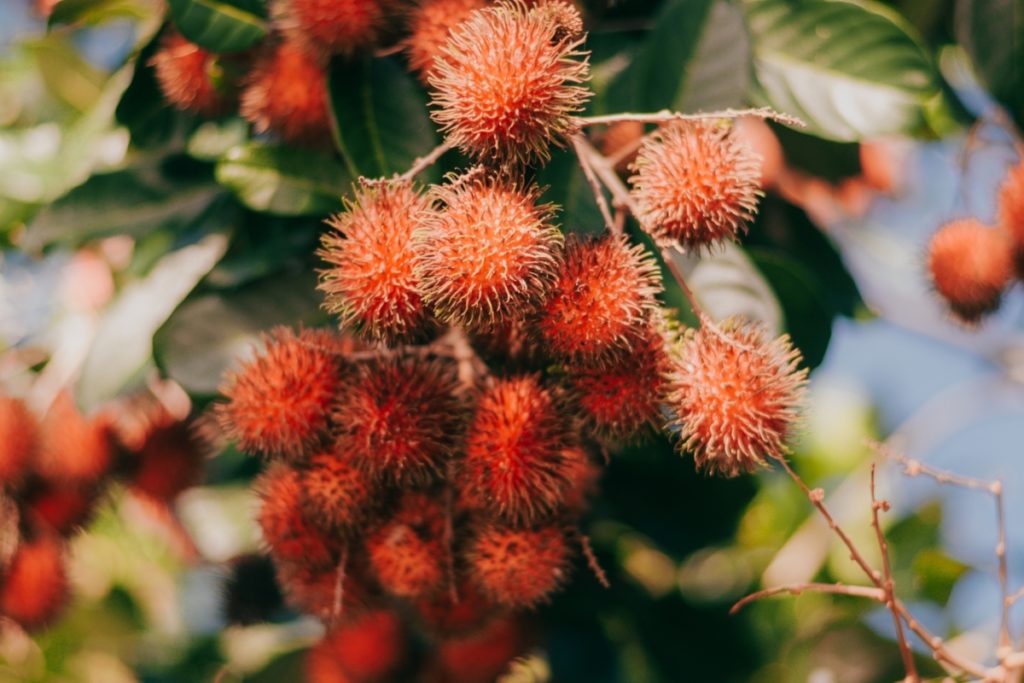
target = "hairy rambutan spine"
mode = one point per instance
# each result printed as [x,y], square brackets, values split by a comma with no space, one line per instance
[482,656]
[336,493]
[519,567]
[407,553]
[34,588]
[430,25]
[508,81]
[371,282]
[970,264]
[489,254]
[287,530]
[329,27]
[286,93]
[371,647]
[72,447]
[695,184]
[190,77]
[19,438]
[734,397]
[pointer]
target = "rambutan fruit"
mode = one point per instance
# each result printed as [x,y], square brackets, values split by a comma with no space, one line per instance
[72,447]
[330,27]
[482,656]
[1011,211]
[489,254]
[190,78]
[286,94]
[279,402]
[19,437]
[734,397]
[621,142]
[507,83]
[251,594]
[584,475]
[761,139]
[430,25]
[600,301]
[970,264]
[328,593]
[370,281]
[287,531]
[34,588]
[407,553]
[400,417]
[170,461]
[60,505]
[448,617]
[695,185]
[336,492]
[371,647]
[519,567]
[513,464]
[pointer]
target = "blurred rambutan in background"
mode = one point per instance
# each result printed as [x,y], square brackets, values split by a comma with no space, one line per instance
[190,77]
[970,265]
[430,25]
[286,94]
[519,567]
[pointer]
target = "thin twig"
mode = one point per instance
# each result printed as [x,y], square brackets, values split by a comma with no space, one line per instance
[869,592]
[595,566]
[595,185]
[339,587]
[424,162]
[665,115]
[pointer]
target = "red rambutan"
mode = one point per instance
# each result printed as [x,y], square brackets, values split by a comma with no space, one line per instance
[1011,211]
[507,82]
[445,616]
[34,588]
[400,417]
[583,474]
[600,301]
[328,593]
[482,656]
[286,93]
[279,402]
[73,448]
[60,505]
[970,264]
[336,492]
[407,553]
[371,281]
[287,531]
[430,26]
[734,397]
[170,460]
[371,647]
[695,184]
[519,567]
[489,254]
[19,436]
[329,27]
[513,463]
[189,76]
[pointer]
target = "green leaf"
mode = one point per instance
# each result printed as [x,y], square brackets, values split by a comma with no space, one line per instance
[283,180]
[123,343]
[850,70]
[381,124]
[208,333]
[66,75]
[212,139]
[566,186]
[97,11]
[992,33]
[726,283]
[936,574]
[220,25]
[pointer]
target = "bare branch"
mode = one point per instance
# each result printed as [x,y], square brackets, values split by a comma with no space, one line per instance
[665,115]
[869,592]
[424,162]
[595,566]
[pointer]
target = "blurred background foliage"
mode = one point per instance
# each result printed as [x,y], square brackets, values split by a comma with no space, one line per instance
[139,240]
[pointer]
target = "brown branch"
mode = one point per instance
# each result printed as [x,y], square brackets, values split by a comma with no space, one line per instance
[595,566]
[422,163]
[339,588]
[584,158]
[869,592]
[665,115]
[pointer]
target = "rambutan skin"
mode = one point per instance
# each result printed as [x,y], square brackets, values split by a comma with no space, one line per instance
[513,463]
[482,656]
[169,462]
[1011,211]
[317,591]
[59,505]
[600,301]
[72,447]
[279,402]
[734,397]
[519,568]
[329,27]
[443,615]
[489,254]
[371,282]
[508,81]
[336,493]
[970,264]
[286,93]
[19,438]
[400,417]
[430,25]
[371,647]
[187,75]
[695,185]
[34,588]
[287,530]
[407,553]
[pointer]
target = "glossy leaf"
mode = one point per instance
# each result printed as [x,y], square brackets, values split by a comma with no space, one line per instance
[220,25]
[726,283]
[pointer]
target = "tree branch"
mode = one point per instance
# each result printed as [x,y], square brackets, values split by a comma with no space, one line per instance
[424,162]
[665,115]
[869,592]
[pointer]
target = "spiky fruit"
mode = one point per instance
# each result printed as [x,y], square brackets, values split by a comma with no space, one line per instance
[1011,211]
[513,464]
[59,505]
[430,25]
[489,254]
[328,593]
[734,397]
[695,184]
[330,27]
[970,264]
[507,83]
[600,301]
[336,493]
[449,617]
[481,657]
[400,417]
[519,567]
[188,76]
[407,553]
[287,531]
[279,402]
[286,94]
[168,460]
[372,647]
[370,281]
[584,475]
[73,448]
[34,588]
[251,594]
[19,437]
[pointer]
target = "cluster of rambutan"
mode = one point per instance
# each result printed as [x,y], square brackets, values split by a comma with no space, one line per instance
[53,473]
[971,264]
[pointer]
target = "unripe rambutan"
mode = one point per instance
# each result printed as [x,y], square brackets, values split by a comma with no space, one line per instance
[60,505]
[286,94]
[407,553]
[1011,211]
[513,464]
[330,27]
[371,281]
[600,301]
[400,417]
[482,656]
[971,264]
[35,588]
[73,448]
[19,437]
[507,82]
[430,25]
[489,254]
[188,76]
[287,531]
[279,403]
[445,616]
[336,492]
[371,647]
[734,397]
[695,184]
[519,567]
